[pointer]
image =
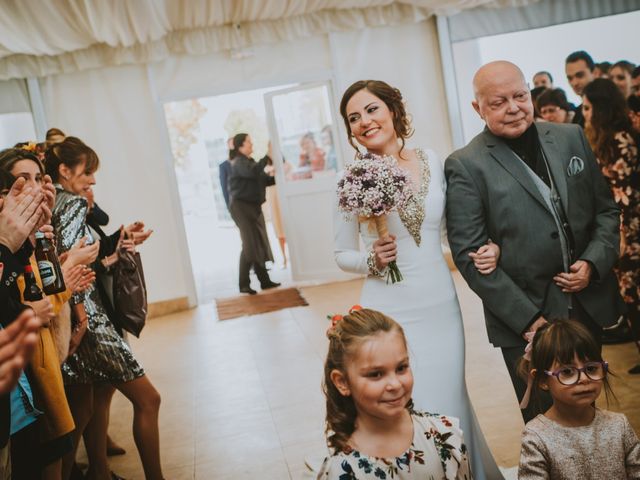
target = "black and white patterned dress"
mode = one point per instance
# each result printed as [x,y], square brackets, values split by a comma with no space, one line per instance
[103,356]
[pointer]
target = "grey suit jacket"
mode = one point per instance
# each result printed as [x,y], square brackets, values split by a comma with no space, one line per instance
[490,195]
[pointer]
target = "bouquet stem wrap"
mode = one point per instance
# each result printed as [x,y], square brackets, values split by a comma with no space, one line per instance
[393,272]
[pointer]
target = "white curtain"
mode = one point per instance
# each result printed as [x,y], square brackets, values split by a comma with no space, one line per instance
[411,64]
[113,111]
[42,38]
[14,97]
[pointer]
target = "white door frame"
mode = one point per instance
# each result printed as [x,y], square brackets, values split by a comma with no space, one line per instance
[288,189]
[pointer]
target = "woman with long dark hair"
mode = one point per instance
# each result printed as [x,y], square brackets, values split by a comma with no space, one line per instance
[103,360]
[610,133]
[247,192]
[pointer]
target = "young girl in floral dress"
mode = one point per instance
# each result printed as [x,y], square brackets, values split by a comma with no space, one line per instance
[371,426]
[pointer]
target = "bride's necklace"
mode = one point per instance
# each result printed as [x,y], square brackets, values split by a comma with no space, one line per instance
[413,213]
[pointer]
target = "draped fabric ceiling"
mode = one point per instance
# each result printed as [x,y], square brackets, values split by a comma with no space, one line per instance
[40,38]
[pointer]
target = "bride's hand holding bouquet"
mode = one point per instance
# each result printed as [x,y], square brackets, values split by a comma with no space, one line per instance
[372,187]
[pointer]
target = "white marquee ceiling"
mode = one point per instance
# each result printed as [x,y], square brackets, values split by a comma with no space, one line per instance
[54,36]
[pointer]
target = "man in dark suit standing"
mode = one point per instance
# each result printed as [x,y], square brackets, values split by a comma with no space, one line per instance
[579,69]
[535,190]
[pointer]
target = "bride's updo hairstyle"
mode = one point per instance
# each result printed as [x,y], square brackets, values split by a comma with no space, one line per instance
[392,99]
[344,340]
[71,152]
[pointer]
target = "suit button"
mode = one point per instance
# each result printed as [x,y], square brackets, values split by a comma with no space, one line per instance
[554,235]
[565,225]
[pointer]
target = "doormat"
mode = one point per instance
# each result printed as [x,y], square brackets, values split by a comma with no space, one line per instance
[277,299]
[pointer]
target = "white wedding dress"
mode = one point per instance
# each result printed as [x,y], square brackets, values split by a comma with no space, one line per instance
[424,303]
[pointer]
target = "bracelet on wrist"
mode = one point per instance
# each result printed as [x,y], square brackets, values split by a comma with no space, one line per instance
[373,268]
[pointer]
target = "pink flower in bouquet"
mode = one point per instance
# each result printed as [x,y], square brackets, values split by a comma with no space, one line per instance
[373,186]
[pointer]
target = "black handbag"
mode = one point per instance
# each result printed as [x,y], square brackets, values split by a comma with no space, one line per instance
[129,293]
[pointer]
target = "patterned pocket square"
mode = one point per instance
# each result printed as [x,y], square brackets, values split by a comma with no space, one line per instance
[576,165]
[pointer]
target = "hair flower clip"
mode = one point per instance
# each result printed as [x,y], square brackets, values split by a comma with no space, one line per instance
[334,319]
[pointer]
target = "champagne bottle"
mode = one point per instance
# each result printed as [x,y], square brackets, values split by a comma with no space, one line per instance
[32,292]
[49,266]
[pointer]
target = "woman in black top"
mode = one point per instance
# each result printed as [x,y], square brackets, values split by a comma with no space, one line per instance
[247,185]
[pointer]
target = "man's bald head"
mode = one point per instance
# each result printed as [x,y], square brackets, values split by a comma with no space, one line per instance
[502,99]
[495,72]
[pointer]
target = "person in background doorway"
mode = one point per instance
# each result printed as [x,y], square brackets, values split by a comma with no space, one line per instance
[326,138]
[543,79]
[310,155]
[223,170]
[601,70]
[554,107]
[579,69]
[620,73]
[274,206]
[247,191]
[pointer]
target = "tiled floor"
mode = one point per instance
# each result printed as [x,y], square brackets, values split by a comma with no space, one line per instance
[241,399]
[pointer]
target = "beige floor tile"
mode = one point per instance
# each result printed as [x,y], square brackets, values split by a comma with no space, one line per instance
[242,398]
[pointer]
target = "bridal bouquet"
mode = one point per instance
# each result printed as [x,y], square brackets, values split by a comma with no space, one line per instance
[372,187]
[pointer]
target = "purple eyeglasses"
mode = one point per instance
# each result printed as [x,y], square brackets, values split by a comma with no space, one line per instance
[570,375]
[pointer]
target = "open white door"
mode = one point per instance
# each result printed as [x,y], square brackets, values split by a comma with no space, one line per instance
[302,127]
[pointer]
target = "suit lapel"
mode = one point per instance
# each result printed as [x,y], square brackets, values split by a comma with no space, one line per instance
[556,165]
[509,161]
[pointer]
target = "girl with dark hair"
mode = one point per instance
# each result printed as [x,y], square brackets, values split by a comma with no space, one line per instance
[554,106]
[425,301]
[372,428]
[566,361]
[247,192]
[609,131]
[103,360]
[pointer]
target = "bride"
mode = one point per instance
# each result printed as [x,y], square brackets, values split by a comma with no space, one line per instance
[425,301]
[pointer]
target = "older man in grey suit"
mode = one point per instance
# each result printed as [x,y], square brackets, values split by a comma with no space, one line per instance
[535,190]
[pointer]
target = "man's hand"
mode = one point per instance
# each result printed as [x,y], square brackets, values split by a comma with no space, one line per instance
[486,258]
[534,327]
[16,347]
[577,279]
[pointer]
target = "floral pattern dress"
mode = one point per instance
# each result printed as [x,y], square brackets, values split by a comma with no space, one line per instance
[437,452]
[623,175]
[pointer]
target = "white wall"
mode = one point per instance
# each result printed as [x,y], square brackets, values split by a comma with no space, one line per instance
[610,38]
[115,110]
[112,110]
[408,58]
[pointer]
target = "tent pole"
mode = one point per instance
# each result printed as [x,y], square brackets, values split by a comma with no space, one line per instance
[450,84]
